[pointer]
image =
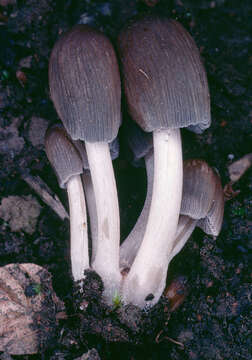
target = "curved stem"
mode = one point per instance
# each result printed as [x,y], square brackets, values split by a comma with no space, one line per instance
[146,279]
[106,259]
[131,244]
[185,228]
[78,228]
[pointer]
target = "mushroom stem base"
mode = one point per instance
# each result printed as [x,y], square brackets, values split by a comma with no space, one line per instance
[105,257]
[146,280]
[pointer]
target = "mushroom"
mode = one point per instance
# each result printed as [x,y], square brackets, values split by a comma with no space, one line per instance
[202,205]
[166,88]
[202,202]
[89,189]
[85,88]
[68,166]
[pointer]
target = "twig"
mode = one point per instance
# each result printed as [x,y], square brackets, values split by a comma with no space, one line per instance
[46,194]
[157,339]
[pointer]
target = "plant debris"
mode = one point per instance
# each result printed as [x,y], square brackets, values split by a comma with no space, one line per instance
[28,307]
[238,168]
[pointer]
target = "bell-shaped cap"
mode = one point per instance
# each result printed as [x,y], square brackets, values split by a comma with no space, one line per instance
[62,154]
[203,198]
[85,85]
[164,79]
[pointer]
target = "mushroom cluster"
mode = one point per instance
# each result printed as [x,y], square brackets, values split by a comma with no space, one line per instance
[166,89]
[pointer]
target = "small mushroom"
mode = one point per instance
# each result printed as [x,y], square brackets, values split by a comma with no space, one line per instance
[202,205]
[166,89]
[202,202]
[85,88]
[67,164]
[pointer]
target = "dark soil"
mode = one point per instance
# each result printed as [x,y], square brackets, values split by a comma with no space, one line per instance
[214,321]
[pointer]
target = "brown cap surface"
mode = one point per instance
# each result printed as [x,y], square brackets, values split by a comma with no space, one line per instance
[202,197]
[85,84]
[164,79]
[62,154]
[213,222]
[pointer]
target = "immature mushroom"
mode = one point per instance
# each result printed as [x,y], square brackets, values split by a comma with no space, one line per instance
[202,205]
[166,88]
[68,166]
[85,88]
[202,202]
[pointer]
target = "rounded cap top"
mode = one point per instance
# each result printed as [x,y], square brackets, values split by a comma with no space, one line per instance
[85,85]
[164,79]
[62,154]
[202,197]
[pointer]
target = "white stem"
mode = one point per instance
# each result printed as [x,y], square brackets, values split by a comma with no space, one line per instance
[145,282]
[78,228]
[91,207]
[185,228]
[131,244]
[106,259]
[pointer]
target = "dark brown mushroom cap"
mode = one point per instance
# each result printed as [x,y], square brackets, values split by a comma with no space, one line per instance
[164,79]
[62,154]
[202,197]
[85,85]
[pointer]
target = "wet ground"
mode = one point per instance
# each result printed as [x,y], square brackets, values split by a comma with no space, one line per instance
[214,322]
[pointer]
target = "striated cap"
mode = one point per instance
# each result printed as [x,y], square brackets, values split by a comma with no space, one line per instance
[62,154]
[202,197]
[85,84]
[213,222]
[164,79]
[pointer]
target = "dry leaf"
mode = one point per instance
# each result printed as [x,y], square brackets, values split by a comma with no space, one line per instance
[176,292]
[28,307]
[238,168]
